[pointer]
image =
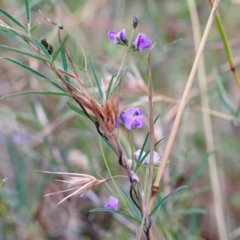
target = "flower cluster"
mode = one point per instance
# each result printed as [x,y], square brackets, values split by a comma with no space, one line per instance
[156,157]
[132,118]
[140,43]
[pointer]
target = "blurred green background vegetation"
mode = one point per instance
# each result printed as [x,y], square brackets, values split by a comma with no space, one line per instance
[60,140]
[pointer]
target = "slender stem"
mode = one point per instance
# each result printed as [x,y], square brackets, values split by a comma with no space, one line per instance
[109,172]
[177,120]
[124,58]
[226,46]
[131,145]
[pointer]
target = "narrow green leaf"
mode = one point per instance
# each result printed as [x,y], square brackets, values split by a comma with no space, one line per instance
[114,211]
[127,196]
[28,13]
[139,162]
[124,72]
[24,53]
[38,74]
[238,110]
[189,211]
[162,200]
[226,105]
[34,26]
[38,44]
[96,79]
[81,112]
[144,144]
[110,87]
[12,19]
[105,141]
[61,46]
[198,169]
[36,92]
[3,183]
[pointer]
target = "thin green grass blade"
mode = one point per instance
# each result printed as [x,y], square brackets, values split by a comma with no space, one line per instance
[35,92]
[63,56]
[3,183]
[12,19]
[96,78]
[124,72]
[38,44]
[105,141]
[28,14]
[198,169]
[58,50]
[24,53]
[226,105]
[145,155]
[34,26]
[81,112]
[145,142]
[130,202]
[38,74]
[114,211]
[162,200]
[238,110]
[110,87]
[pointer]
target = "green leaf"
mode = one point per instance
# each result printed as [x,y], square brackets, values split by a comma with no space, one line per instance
[139,162]
[12,19]
[38,44]
[61,46]
[162,200]
[105,141]
[124,72]
[198,169]
[114,211]
[28,12]
[96,78]
[226,105]
[110,87]
[3,183]
[36,92]
[144,144]
[34,26]
[24,53]
[38,74]
[81,112]
[128,198]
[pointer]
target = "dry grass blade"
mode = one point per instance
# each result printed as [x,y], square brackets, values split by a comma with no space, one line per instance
[182,106]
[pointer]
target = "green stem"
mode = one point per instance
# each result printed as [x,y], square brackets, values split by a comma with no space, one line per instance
[131,145]
[121,66]
[109,172]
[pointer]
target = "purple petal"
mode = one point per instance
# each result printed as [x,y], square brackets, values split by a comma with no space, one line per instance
[156,158]
[133,122]
[117,124]
[111,34]
[112,203]
[20,137]
[148,43]
[137,154]
[130,112]
[123,35]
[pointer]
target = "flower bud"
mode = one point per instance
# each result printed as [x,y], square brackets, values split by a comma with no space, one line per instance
[135,22]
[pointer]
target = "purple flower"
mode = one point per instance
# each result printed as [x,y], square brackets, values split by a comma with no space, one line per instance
[132,118]
[112,203]
[18,137]
[142,42]
[117,124]
[118,38]
[156,157]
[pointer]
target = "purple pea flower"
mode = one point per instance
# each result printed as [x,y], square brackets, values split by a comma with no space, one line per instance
[118,38]
[142,42]
[156,157]
[132,118]
[18,137]
[112,203]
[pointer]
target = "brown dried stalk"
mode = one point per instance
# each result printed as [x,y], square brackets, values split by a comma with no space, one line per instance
[176,123]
